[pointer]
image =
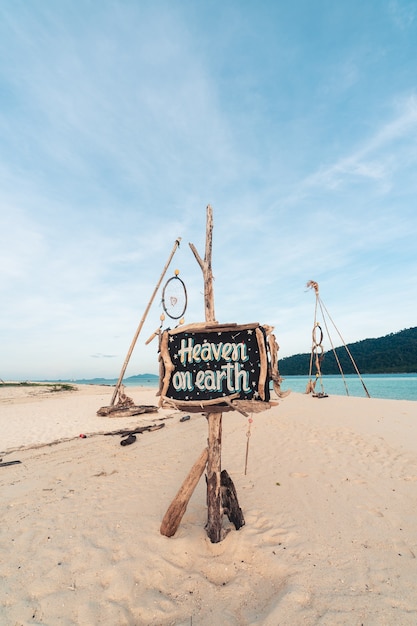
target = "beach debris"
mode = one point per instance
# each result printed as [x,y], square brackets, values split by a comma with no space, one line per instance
[7,463]
[125,407]
[229,501]
[135,431]
[178,506]
[185,418]
[82,436]
[128,440]
[110,411]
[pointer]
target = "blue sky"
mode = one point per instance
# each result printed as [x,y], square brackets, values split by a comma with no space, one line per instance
[121,120]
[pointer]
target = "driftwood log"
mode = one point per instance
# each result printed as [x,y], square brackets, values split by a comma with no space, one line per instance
[136,431]
[230,503]
[178,506]
[125,407]
[127,411]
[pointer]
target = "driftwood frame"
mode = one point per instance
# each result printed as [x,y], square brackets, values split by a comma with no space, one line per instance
[226,402]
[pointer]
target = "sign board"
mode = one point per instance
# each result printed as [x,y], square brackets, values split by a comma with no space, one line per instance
[205,364]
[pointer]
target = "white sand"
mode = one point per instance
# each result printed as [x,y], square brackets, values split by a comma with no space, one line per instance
[329,499]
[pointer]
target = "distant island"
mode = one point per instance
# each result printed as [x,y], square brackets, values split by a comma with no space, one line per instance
[139,379]
[395,353]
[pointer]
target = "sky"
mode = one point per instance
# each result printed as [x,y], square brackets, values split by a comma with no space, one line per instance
[120,121]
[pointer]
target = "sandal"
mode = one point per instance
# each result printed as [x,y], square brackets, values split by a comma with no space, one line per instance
[128,440]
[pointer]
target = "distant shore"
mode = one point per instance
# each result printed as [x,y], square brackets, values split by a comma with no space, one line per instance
[384,386]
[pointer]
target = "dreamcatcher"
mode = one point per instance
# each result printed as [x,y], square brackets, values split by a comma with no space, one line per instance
[174,297]
[174,302]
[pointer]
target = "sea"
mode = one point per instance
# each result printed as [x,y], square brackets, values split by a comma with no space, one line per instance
[388,386]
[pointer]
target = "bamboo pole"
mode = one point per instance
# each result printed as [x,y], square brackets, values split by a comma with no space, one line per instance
[142,321]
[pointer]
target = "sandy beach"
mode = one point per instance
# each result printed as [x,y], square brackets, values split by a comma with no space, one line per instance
[329,500]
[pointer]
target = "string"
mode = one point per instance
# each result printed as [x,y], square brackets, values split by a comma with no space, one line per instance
[248,434]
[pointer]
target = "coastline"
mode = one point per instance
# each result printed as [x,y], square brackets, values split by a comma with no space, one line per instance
[328,500]
[388,386]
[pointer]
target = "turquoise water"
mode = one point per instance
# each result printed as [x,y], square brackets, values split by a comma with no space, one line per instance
[389,386]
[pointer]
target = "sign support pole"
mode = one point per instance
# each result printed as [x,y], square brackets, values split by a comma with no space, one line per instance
[142,321]
[214,501]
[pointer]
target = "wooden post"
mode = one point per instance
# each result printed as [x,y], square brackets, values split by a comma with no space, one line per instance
[214,525]
[214,502]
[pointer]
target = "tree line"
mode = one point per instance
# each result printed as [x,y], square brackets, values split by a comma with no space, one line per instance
[395,353]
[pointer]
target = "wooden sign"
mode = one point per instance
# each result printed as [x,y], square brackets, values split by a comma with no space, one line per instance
[212,364]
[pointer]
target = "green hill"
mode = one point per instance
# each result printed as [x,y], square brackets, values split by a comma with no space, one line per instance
[395,353]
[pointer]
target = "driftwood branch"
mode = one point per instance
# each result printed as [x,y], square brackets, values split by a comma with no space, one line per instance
[136,431]
[197,405]
[211,326]
[168,365]
[206,267]
[214,527]
[235,407]
[263,363]
[178,506]
[275,375]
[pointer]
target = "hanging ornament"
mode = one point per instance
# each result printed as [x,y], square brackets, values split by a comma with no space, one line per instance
[248,434]
[174,297]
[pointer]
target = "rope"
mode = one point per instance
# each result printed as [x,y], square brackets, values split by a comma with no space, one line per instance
[317,352]
[319,303]
[349,354]
[333,349]
[248,434]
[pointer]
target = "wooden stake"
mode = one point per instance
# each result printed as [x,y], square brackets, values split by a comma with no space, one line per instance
[178,506]
[142,321]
